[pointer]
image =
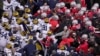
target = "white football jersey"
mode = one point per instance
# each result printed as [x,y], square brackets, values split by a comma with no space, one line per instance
[29,15]
[8,51]
[29,19]
[16,4]
[11,6]
[40,21]
[5,19]
[13,21]
[8,7]
[64,51]
[4,33]
[3,42]
[38,36]
[35,27]
[53,38]
[45,27]
[22,28]
[23,43]
[17,54]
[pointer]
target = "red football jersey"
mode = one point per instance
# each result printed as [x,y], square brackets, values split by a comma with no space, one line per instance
[83,3]
[66,1]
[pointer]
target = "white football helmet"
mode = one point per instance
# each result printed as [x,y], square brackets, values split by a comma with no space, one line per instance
[43,14]
[73,3]
[75,22]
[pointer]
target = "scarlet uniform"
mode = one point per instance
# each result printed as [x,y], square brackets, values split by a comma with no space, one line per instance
[68,13]
[54,23]
[75,27]
[83,3]
[43,9]
[83,47]
[57,8]
[80,15]
[91,28]
[66,1]
[48,42]
[90,14]
[63,9]
[66,41]
[74,10]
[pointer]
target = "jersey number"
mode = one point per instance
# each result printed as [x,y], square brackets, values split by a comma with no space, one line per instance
[44,27]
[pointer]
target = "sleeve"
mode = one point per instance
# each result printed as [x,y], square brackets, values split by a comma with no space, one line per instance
[83,3]
[18,54]
[67,33]
[5,6]
[59,34]
[8,52]
[15,4]
[78,49]
[54,39]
